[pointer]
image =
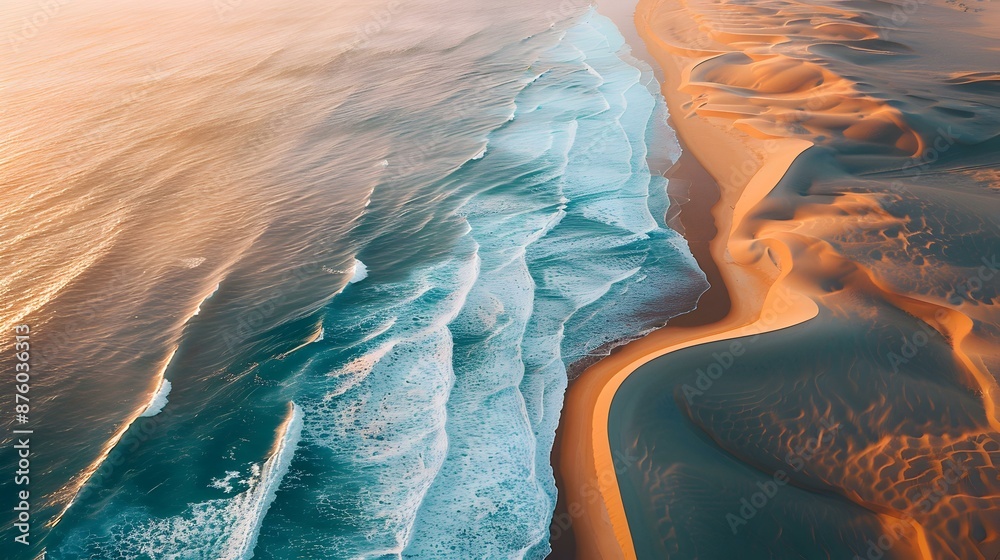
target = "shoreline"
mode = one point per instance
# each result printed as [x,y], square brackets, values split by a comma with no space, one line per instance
[693,193]
[730,309]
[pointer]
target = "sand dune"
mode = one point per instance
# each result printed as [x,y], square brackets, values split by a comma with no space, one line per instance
[855,146]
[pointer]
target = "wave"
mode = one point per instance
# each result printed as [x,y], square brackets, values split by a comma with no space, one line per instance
[158,401]
[441,391]
[206,298]
[154,405]
[317,336]
[444,392]
[250,512]
[509,229]
[226,528]
[571,254]
[360,272]
[407,363]
[80,482]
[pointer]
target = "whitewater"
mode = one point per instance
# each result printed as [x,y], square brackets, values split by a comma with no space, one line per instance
[447,405]
[341,292]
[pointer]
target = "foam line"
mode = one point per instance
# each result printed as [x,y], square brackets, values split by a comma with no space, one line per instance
[158,401]
[243,539]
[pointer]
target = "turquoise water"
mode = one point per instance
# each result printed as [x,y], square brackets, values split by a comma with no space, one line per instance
[378,371]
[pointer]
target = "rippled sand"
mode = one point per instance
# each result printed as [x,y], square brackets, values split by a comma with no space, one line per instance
[856,149]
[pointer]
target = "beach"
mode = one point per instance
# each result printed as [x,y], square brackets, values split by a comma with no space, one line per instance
[854,153]
[309,280]
[523,279]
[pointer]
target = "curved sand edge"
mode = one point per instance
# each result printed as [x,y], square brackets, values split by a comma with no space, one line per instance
[735,104]
[746,169]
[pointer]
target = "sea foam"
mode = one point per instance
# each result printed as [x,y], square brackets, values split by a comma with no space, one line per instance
[438,400]
[225,528]
[158,401]
[360,272]
[571,256]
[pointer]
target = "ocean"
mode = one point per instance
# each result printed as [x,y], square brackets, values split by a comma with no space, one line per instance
[308,281]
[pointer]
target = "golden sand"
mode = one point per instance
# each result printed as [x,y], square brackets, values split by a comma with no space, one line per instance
[747,110]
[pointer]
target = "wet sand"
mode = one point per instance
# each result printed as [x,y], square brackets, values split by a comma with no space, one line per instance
[855,149]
